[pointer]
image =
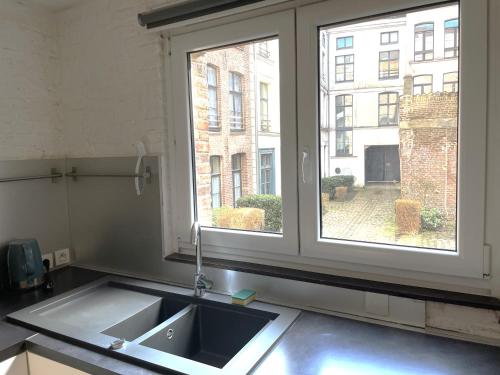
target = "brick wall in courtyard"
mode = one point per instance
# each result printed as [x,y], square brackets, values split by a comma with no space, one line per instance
[428,150]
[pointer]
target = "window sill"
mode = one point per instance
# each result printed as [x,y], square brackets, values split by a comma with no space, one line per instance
[419,293]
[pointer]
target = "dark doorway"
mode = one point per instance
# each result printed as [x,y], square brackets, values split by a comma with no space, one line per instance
[382,164]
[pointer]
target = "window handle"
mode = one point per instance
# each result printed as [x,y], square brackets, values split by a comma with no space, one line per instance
[305,157]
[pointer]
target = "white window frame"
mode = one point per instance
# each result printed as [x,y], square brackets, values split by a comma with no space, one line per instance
[282,25]
[468,260]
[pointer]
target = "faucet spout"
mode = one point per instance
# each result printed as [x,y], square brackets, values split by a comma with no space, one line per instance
[201,282]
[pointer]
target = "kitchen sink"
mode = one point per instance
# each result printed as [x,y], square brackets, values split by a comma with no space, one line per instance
[162,326]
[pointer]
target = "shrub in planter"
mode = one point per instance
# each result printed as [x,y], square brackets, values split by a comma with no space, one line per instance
[432,219]
[239,218]
[271,204]
[329,184]
[408,216]
[341,193]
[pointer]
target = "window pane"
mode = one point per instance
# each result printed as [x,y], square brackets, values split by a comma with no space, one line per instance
[237,164]
[388,161]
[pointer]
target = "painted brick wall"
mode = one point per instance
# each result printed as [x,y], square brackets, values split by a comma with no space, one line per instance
[30,127]
[111,93]
[428,150]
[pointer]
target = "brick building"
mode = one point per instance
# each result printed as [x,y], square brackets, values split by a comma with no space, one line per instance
[428,150]
[224,130]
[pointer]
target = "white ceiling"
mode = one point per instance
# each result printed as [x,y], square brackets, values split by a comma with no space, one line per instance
[55,5]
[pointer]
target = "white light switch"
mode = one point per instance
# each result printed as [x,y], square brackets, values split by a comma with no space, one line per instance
[377,304]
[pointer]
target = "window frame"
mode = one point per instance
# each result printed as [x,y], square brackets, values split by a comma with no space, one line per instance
[456,39]
[454,83]
[468,260]
[233,94]
[424,51]
[344,38]
[272,182]
[215,89]
[215,175]
[388,105]
[265,123]
[218,240]
[389,33]
[389,61]
[422,85]
[344,65]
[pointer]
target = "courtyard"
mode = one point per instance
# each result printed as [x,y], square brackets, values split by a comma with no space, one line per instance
[367,214]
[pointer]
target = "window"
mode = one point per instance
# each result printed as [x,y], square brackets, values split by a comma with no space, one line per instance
[344,68]
[388,65]
[450,82]
[451,38]
[263,50]
[236,172]
[352,209]
[344,42]
[213,111]
[388,108]
[215,181]
[235,101]
[264,107]
[343,124]
[266,171]
[422,84]
[343,111]
[424,41]
[227,163]
[389,37]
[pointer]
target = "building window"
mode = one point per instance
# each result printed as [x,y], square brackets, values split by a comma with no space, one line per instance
[388,108]
[388,64]
[450,82]
[263,50]
[424,41]
[215,181]
[422,84]
[235,101]
[213,111]
[236,171]
[266,167]
[343,111]
[264,107]
[344,68]
[451,38]
[343,124]
[389,37]
[345,42]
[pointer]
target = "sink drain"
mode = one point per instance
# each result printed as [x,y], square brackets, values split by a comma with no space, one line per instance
[170,334]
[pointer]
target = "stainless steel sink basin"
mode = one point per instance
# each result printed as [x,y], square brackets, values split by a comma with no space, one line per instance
[162,326]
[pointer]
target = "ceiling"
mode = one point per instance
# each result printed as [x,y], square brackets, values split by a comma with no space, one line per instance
[55,5]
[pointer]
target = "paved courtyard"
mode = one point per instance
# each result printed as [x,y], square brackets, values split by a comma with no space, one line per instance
[368,215]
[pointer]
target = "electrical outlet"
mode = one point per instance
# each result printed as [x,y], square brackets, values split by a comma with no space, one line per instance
[61,257]
[50,257]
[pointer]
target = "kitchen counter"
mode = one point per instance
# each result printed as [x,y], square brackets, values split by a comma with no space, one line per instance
[315,344]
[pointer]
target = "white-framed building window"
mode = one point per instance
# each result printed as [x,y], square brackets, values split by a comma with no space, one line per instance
[241,222]
[384,169]
[378,167]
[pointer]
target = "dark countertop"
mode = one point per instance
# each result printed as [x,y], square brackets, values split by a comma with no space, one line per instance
[315,344]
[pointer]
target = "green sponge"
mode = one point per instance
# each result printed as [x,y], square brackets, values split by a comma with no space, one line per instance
[244,296]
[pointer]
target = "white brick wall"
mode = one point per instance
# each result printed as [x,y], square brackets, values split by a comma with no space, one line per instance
[30,127]
[111,92]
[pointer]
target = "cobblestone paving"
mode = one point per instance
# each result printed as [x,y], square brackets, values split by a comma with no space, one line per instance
[368,215]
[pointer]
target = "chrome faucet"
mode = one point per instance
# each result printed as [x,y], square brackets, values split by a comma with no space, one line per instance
[201,282]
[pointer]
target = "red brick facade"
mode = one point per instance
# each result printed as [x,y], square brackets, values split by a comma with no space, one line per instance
[428,150]
[223,142]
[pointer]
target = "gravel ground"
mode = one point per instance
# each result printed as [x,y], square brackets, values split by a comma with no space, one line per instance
[367,214]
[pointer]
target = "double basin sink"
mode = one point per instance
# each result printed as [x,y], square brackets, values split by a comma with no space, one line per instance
[162,326]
